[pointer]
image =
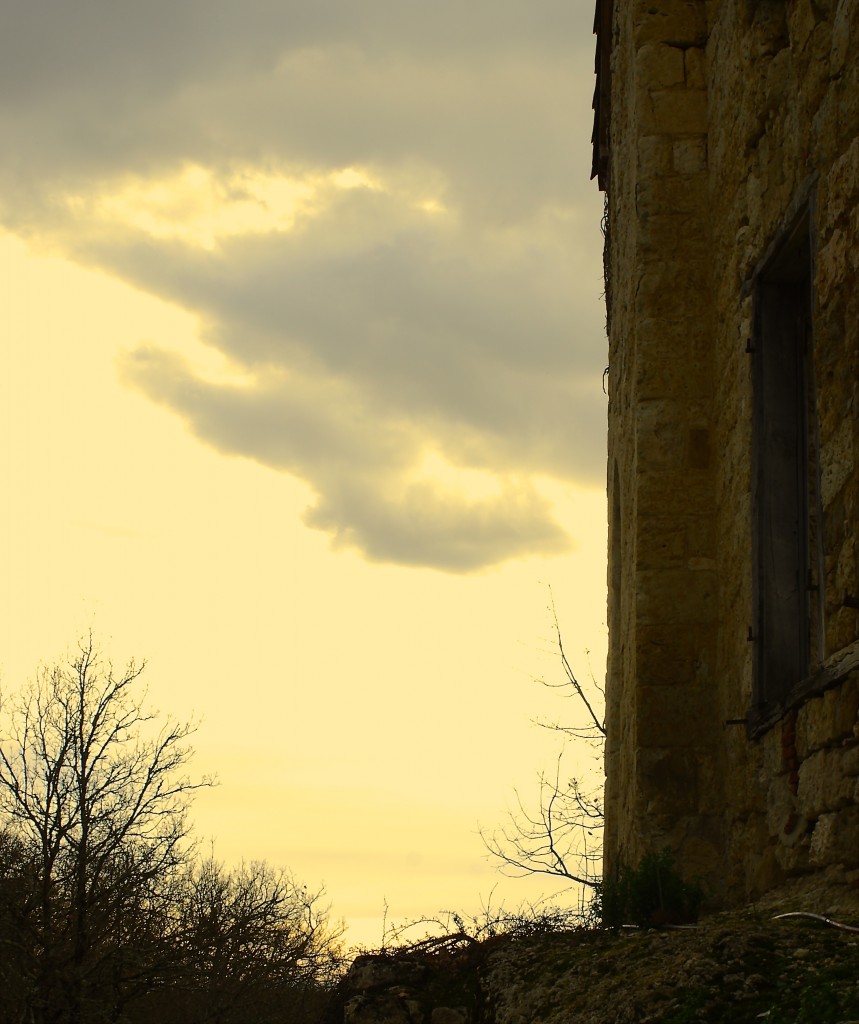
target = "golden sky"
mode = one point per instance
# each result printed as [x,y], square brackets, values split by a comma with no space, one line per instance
[300,380]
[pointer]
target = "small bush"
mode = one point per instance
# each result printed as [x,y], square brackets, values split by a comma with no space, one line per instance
[649,896]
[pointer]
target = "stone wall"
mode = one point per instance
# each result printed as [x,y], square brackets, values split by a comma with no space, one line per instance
[727,121]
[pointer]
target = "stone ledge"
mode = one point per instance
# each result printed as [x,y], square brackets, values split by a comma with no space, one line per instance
[831,673]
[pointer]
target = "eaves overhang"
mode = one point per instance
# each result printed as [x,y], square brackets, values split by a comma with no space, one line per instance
[602,91]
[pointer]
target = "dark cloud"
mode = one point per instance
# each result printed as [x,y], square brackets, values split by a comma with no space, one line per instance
[425,528]
[496,95]
[433,324]
[358,460]
[159,45]
[373,328]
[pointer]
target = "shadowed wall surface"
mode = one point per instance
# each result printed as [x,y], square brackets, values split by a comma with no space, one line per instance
[727,141]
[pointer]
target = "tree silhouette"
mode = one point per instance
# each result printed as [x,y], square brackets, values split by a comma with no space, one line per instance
[95,797]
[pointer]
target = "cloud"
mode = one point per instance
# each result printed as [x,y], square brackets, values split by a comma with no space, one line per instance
[380,214]
[360,463]
[425,527]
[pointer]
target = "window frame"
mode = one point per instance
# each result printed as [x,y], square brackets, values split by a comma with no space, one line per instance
[788,633]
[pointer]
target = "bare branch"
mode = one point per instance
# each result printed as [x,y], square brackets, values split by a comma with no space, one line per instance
[561,837]
[597,721]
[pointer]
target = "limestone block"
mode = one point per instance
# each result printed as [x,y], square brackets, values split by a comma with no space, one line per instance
[659,543]
[747,253]
[449,1015]
[801,22]
[831,266]
[668,657]
[685,197]
[689,156]
[850,762]
[768,31]
[745,796]
[668,780]
[659,65]
[677,363]
[842,24]
[763,870]
[700,536]
[382,1009]
[754,198]
[842,628]
[669,231]
[824,127]
[847,86]
[679,596]
[370,971]
[829,358]
[792,860]
[783,821]
[700,858]
[695,67]
[672,21]
[781,168]
[698,448]
[835,839]
[794,831]
[841,187]
[684,492]
[845,713]
[780,79]
[671,716]
[654,155]
[852,253]
[665,424]
[845,570]
[812,731]
[675,112]
[827,720]
[837,462]
[812,69]
[667,286]
[822,784]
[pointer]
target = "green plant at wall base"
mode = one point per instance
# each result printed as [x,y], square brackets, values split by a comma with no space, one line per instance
[650,895]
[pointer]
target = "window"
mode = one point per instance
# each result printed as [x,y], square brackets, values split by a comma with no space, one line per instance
[788,630]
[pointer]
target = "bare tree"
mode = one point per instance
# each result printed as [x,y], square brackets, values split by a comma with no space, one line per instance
[562,835]
[252,936]
[97,797]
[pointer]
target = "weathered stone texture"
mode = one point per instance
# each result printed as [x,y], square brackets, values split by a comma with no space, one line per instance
[728,118]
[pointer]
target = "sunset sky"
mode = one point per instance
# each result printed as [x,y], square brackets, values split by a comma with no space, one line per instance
[301,353]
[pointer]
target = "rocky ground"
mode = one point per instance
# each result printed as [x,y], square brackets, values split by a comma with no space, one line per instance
[737,967]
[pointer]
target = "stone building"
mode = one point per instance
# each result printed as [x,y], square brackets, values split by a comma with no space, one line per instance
[726,139]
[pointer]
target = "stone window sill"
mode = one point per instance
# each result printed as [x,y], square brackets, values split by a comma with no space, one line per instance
[831,673]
